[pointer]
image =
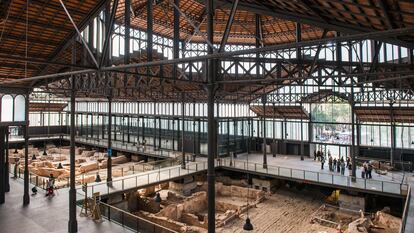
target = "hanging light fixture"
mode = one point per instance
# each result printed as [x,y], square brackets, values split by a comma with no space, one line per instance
[248,225]
[34,157]
[59,166]
[157,198]
[98,178]
[15,151]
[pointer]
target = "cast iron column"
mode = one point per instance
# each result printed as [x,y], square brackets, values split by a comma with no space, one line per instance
[353,174]
[73,224]
[182,132]
[249,135]
[211,124]
[26,197]
[109,161]
[2,164]
[264,100]
[6,172]
[393,141]
[302,145]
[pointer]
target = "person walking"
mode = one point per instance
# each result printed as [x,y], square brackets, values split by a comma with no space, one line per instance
[334,165]
[314,155]
[322,161]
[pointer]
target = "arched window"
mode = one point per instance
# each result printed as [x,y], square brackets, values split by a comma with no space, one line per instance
[19,108]
[7,108]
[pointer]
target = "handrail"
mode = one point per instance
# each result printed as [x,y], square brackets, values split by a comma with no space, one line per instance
[405,213]
[321,177]
[137,218]
[146,178]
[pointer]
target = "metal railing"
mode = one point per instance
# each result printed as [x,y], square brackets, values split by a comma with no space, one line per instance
[129,146]
[319,177]
[131,221]
[145,179]
[406,210]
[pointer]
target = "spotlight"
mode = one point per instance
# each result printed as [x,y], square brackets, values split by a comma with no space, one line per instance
[157,198]
[248,225]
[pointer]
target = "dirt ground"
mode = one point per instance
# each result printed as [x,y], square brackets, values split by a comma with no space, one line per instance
[282,212]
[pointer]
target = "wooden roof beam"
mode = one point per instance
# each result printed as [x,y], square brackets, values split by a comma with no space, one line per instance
[263,9]
[384,8]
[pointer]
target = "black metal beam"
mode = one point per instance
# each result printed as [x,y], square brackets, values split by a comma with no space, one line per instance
[2,164]
[73,224]
[6,174]
[364,36]
[150,16]
[127,21]
[109,161]
[26,197]
[228,26]
[109,34]
[384,8]
[211,122]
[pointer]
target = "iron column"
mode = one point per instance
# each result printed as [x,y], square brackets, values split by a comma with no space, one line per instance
[109,161]
[6,173]
[26,197]
[182,132]
[73,224]
[264,100]
[211,124]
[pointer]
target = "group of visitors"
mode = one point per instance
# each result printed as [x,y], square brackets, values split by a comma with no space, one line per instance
[366,170]
[335,165]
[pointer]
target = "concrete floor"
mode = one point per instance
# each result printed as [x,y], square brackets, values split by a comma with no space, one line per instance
[308,164]
[45,215]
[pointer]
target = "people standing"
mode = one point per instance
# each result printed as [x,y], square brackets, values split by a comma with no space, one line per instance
[364,170]
[369,171]
[342,168]
[338,166]
[330,163]
[334,165]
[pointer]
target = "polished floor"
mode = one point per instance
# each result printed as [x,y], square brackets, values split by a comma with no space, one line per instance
[45,215]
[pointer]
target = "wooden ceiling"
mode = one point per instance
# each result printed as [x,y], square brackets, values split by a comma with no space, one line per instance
[46,107]
[287,112]
[48,35]
[277,18]
[383,114]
